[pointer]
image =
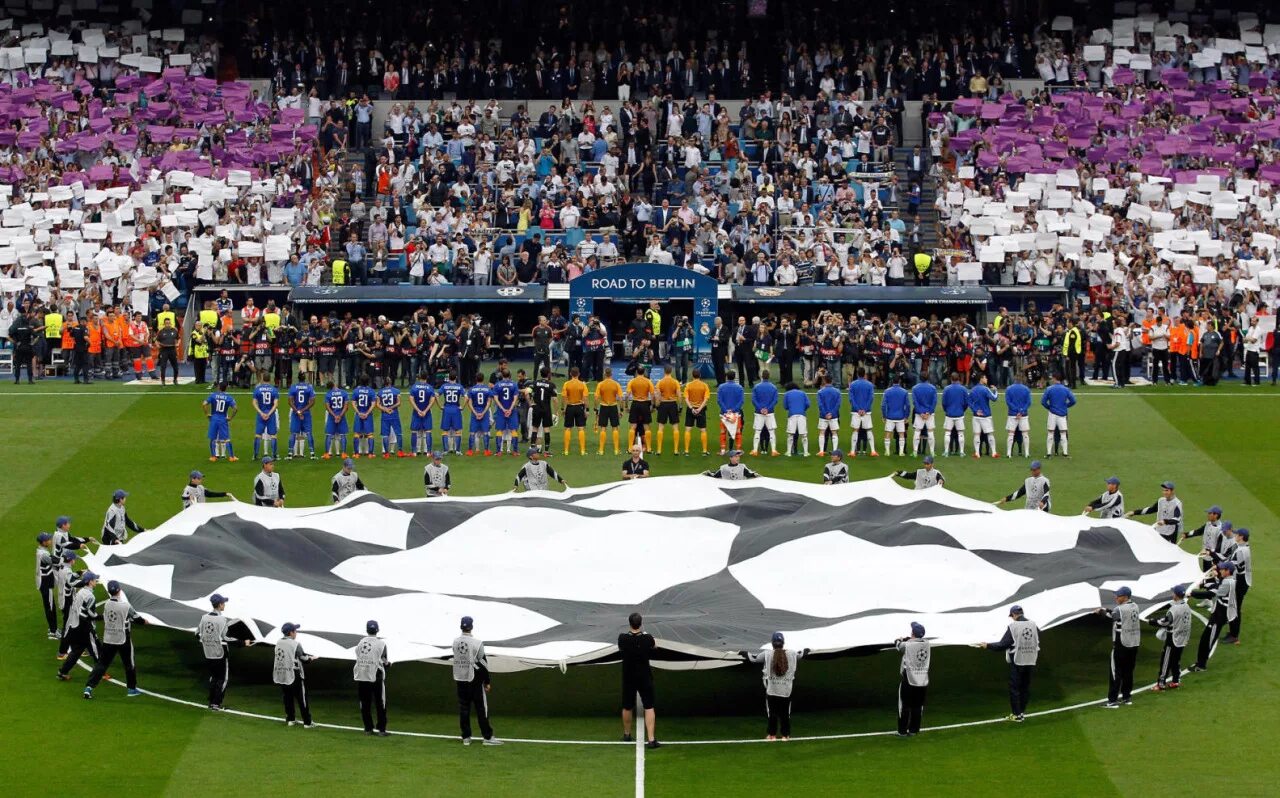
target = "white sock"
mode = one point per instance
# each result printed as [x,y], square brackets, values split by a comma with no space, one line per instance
[804,442]
[1009,448]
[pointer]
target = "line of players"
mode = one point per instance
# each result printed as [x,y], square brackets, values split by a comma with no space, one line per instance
[516,410]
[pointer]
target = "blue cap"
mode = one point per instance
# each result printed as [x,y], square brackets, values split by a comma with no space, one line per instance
[735,453]
[1167,485]
[1035,465]
[89,576]
[532,450]
[1227,526]
[371,627]
[837,453]
[268,459]
[1214,509]
[1124,591]
[69,556]
[1227,565]
[917,630]
[437,455]
[778,639]
[1179,590]
[467,622]
[347,462]
[289,628]
[44,537]
[928,458]
[1243,533]
[218,598]
[1113,480]
[119,494]
[197,475]
[1016,609]
[113,587]
[63,520]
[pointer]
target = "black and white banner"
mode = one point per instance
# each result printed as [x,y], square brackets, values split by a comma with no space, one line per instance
[715,567]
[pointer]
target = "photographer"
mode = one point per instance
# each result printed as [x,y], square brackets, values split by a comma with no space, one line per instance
[682,346]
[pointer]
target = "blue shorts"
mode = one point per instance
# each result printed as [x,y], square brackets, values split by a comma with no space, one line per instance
[219,429]
[332,427]
[480,424]
[419,423]
[364,426]
[502,422]
[391,422]
[451,419]
[299,425]
[270,426]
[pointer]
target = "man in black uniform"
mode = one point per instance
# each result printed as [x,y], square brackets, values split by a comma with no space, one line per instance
[635,466]
[167,339]
[80,363]
[595,341]
[22,334]
[635,647]
[542,397]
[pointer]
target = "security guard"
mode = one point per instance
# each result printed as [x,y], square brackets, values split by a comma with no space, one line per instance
[118,619]
[212,632]
[198,352]
[1220,588]
[268,490]
[1035,488]
[635,466]
[371,679]
[914,682]
[1021,644]
[45,583]
[835,472]
[435,477]
[1168,510]
[732,471]
[345,482]
[339,271]
[116,524]
[471,678]
[287,671]
[1126,636]
[79,634]
[1175,627]
[925,477]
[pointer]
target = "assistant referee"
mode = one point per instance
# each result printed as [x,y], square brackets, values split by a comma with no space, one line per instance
[636,646]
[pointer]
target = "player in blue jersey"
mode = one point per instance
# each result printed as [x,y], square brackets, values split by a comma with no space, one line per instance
[451,395]
[422,397]
[478,404]
[335,421]
[980,398]
[731,398]
[302,397]
[895,406]
[220,408]
[364,399]
[764,400]
[924,402]
[266,427]
[829,400]
[506,415]
[796,403]
[1058,400]
[955,402]
[392,432]
[862,397]
[1018,399]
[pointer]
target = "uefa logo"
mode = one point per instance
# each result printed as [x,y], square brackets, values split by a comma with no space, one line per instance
[510,291]
[326,290]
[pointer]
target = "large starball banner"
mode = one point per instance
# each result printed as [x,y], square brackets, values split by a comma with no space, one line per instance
[715,567]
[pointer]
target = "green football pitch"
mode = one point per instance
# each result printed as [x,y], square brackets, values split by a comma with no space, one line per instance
[68,447]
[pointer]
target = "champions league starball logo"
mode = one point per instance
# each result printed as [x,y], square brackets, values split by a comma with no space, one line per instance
[510,291]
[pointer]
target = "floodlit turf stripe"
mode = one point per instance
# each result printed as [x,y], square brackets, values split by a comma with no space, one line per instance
[640,728]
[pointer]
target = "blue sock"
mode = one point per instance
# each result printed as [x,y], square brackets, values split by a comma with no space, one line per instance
[311,442]
[213,448]
[342,444]
[428,434]
[257,444]
[413,441]
[275,447]
[231,449]
[328,443]
[487,441]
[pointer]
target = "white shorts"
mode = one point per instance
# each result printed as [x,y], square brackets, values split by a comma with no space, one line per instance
[983,425]
[825,424]
[1057,422]
[1016,423]
[923,421]
[796,425]
[892,425]
[953,423]
[764,421]
[857,422]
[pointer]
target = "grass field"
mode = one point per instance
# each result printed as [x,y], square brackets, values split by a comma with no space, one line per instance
[69,446]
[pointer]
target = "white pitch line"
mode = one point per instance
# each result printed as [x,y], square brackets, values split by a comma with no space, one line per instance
[640,736]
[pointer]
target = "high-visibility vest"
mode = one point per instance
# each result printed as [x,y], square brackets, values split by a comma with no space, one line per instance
[53,325]
[1147,324]
[272,320]
[163,315]
[655,320]
[923,262]
[209,317]
[199,345]
[1178,339]
[997,322]
[1072,342]
[68,343]
[339,272]
[95,338]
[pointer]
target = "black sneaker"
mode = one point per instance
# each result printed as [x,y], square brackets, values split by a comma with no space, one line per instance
[652,744]
[1196,669]
[626,738]
[384,733]
[1111,705]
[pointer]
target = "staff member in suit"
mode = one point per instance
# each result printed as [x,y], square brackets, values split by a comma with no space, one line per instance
[636,646]
[779,678]
[118,619]
[1021,644]
[371,679]
[1126,636]
[914,683]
